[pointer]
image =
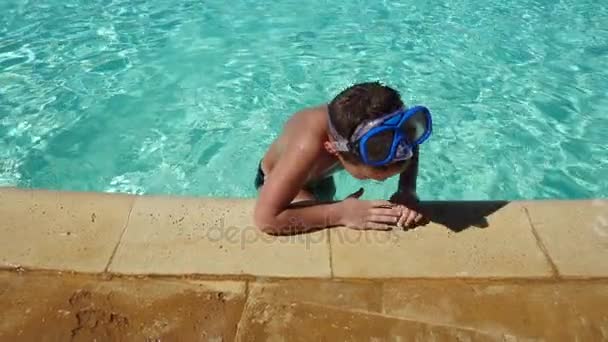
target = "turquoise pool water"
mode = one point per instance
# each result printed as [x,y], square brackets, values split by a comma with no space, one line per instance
[182,97]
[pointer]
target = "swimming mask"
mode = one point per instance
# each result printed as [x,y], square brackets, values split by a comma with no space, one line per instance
[406,128]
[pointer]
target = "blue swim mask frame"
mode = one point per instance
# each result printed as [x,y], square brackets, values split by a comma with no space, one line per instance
[415,121]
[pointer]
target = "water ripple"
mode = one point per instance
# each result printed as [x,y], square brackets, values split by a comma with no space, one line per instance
[147,96]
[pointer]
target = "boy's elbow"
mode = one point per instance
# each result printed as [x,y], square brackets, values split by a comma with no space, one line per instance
[265,222]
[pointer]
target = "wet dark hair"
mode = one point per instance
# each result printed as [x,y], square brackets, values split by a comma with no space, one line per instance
[361,102]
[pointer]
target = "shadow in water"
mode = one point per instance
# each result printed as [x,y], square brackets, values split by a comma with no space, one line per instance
[460,215]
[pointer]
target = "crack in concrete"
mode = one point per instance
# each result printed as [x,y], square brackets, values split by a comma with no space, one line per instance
[542,246]
[331,258]
[124,229]
[246,306]
[258,297]
[400,318]
[251,301]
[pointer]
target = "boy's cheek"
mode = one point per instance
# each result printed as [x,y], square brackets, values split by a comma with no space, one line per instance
[385,174]
[401,167]
[357,171]
[360,175]
[366,172]
[379,175]
[396,170]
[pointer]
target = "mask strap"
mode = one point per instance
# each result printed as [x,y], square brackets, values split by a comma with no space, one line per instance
[366,126]
[340,144]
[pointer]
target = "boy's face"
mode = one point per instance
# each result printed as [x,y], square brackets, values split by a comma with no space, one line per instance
[379,173]
[362,171]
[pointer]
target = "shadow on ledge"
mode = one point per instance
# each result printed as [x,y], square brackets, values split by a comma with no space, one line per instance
[460,215]
[455,215]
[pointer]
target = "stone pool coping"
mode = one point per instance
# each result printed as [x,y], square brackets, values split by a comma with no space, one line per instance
[214,237]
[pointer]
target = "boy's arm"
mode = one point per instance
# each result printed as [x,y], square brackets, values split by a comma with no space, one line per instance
[406,191]
[406,195]
[273,212]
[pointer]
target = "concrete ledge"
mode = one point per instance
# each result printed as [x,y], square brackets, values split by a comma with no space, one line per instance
[212,236]
[89,232]
[574,234]
[506,247]
[64,231]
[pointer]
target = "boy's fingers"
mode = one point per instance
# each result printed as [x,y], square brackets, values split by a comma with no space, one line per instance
[410,217]
[401,222]
[356,194]
[418,218]
[424,220]
[383,219]
[383,204]
[396,212]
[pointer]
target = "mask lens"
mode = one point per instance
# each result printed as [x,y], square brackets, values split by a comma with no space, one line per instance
[415,127]
[378,146]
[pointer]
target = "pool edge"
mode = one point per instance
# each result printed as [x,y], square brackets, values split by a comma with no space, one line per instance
[133,235]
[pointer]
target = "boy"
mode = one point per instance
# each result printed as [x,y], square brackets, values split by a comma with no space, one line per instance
[365,130]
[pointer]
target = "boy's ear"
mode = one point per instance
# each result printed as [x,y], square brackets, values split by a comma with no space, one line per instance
[330,148]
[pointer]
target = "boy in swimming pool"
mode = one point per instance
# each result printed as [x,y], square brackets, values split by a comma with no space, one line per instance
[365,130]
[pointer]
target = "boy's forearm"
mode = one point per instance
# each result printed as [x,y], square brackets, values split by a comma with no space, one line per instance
[303,218]
[407,179]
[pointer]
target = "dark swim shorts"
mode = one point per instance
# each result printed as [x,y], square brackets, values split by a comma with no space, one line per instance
[323,190]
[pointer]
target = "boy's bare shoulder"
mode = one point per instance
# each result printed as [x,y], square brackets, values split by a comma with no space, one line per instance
[322,109]
[318,108]
[306,130]
[316,116]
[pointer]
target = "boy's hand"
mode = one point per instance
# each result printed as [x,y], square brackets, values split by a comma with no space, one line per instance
[359,214]
[410,210]
[409,217]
